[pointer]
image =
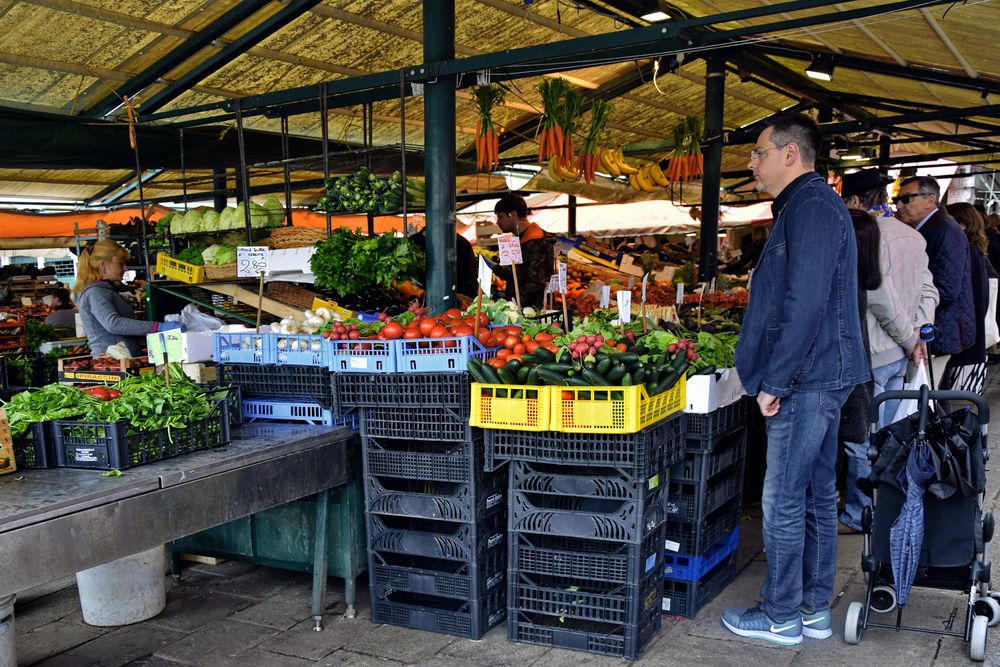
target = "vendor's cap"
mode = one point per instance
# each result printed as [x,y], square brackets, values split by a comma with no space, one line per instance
[861,182]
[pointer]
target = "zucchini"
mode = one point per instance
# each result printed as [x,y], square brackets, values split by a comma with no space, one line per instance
[707,370]
[507,374]
[615,374]
[543,356]
[627,358]
[522,374]
[530,359]
[490,374]
[679,360]
[513,366]
[627,380]
[533,376]
[558,368]
[551,377]
[564,357]
[475,367]
[594,378]
[577,382]
[637,377]
[668,381]
[604,365]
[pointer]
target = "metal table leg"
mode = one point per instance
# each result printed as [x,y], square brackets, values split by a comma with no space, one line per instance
[320,558]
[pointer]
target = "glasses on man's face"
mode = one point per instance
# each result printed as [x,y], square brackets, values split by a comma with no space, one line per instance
[759,153]
[905,199]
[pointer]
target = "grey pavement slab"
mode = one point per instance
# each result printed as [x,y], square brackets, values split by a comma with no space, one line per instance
[217,641]
[302,641]
[42,611]
[280,611]
[395,643]
[351,659]
[494,649]
[119,647]
[678,649]
[53,639]
[194,612]
[260,658]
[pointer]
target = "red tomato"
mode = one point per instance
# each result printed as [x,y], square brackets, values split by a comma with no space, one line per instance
[543,337]
[412,332]
[503,353]
[392,330]
[530,347]
[497,362]
[439,331]
[512,330]
[525,338]
[463,330]
[484,337]
[519,348]
[510,341]
[426,325]
[453,313]
[484,320]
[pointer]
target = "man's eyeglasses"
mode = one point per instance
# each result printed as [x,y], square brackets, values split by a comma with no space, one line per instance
[759,153]
[905,199]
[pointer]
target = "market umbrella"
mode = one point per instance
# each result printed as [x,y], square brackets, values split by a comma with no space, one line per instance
[906,537]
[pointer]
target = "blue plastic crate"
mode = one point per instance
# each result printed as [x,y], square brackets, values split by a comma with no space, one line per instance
[300,350]
[422,355]
[362,356]
[691,568]
[284,408]
[244,347]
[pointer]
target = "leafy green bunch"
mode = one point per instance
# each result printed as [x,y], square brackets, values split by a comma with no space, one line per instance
[348,261]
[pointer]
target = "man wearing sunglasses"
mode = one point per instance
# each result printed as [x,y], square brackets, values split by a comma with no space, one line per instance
[950,264]
[800,351]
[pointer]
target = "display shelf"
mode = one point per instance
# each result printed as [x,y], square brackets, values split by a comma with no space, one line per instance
[223,307]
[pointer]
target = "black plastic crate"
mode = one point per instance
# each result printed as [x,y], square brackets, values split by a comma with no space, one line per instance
[583,599]
[463,581]
[701,430]
[583,482]
[111,445]
[595,560]
[687,598]
[417,423]
[431,460]
[233,397]
[642,454]
[695,538]
[436,539]
[405,390]
[470,619]
[44,370]
[698,466]
[444,501]
[36,448]
[621,641]
[590,518]
[692,501]
[255,380]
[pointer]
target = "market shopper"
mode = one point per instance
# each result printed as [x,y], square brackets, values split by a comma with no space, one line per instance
[106,318]
[537,251]
[949,262]
[465,263]
[63,315]
[800,352]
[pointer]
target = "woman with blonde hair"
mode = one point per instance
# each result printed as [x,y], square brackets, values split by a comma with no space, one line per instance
[106,318]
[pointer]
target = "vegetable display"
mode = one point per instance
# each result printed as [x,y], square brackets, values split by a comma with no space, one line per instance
[37,332]
[364,192]
[348,261]
[204,219]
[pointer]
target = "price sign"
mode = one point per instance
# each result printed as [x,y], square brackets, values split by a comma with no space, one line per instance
[645,279]
[562,277]
[510,249]
[680,293]
[553,285]
[485,276]
[605,296]
[251,261]
[624,307]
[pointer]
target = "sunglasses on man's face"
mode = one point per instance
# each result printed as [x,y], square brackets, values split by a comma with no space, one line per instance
[905,199]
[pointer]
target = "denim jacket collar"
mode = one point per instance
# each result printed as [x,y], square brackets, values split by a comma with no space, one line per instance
[789,191]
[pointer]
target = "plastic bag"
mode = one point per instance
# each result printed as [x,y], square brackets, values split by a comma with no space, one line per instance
[910,406]
[195,320]
[992,330]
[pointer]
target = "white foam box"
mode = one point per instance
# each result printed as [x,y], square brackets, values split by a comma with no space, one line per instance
[289,260]
[706,393]
[186,347]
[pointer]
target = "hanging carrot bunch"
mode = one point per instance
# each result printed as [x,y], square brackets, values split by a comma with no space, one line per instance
[600,112]
[687,162]
[569,116]
[487,137]
[551,138]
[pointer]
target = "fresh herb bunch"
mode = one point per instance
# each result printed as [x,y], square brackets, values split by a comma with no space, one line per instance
[37,332]
[348,261]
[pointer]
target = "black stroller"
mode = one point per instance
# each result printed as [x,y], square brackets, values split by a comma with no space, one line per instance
[934,463]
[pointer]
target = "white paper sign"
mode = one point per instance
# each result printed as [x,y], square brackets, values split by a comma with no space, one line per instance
[645,279]
[605,296]
[680,293]
[510,249]
[562,276]
[485,277]
[251,261]
[553,285]
[625,306]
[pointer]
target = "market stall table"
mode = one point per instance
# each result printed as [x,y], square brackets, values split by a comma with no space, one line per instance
[56,522]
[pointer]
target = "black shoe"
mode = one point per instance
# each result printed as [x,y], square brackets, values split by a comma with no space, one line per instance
[992,359]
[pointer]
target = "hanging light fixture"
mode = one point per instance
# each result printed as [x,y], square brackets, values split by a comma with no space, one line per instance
[820,68]
[651,11]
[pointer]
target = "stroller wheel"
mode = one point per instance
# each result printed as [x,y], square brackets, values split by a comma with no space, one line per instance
[977,642]
[853,624]
[987,527]
[866,519]
[883,599]
[988,607]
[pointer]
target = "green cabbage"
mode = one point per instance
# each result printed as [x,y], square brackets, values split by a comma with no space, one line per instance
[226,218]
[192,221]
[219,254]
[276,213]
[210,221]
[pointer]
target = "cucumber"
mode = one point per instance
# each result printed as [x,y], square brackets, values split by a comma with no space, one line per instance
[476,370]
[490,374]
[507,374]
[551,377]
[604,365]
[627,358]
[707,370]
[513,366]
[637,377]
[679,359]
[533,376]
[668,381]
[600,356]
[558,368]
[594,378]
[543,356]
[627,380]
[615,374]
[577,382]
[522,374]
[530,359]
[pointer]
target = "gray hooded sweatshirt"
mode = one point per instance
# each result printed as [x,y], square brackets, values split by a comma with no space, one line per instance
[108,320]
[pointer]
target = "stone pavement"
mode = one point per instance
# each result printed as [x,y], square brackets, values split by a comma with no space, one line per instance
[236,614]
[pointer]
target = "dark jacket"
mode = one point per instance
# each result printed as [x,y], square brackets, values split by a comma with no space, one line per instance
[538,255]
[107,320]
[802,329]
[949,261]
[979,276]
[856,412]
[466,268]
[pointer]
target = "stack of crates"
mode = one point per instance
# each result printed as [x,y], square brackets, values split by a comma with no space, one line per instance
[12,336]
[283,378]
[436,521]
[706,492]
[587,526]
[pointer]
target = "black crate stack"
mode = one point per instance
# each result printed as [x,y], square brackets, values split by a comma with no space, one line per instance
[436,521]
[706,492]
[587,526]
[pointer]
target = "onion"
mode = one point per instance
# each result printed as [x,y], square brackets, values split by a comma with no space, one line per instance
[307,314]
[282,343]
[324,313]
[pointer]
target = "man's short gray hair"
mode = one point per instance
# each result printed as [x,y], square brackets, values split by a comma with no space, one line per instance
[926,184]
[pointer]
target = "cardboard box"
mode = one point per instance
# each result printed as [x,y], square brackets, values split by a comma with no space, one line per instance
[187,347]
[705,393]
[7,462]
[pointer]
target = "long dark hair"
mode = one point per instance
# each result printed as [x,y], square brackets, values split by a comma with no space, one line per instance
[867,234]
[973,224]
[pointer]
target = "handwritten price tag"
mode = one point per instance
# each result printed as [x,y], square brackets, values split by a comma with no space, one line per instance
[251,260]
[624,306]
[553,285]
[510,249]
[645,279]
[680,293]
[605,296]
[485,277]
[562,277]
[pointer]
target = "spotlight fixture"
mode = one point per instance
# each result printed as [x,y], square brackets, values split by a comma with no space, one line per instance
[820,68]
[651,11]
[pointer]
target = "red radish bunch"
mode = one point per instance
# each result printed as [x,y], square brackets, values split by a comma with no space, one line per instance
[341,331]
[684,344]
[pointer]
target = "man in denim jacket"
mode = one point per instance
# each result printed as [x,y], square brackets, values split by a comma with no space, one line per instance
[801,353]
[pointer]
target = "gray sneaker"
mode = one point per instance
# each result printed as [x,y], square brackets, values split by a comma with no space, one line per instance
[756,624]
[817,624]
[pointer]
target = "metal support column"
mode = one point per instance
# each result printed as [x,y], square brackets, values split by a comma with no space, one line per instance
[439,166]
[715,87]
[884,152]
[571,216]
[219,198]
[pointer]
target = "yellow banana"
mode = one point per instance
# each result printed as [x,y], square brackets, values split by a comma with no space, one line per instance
[656,176]
[624,166]
[553,169]
[643,182]
[608,163]
[569,173]
[633,182]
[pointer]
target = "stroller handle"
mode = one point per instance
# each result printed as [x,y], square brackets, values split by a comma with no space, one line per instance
[982,407]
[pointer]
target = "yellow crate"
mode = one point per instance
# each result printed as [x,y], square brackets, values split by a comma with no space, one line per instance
[511,406]
[178,270]
[342,313]
[613,409]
